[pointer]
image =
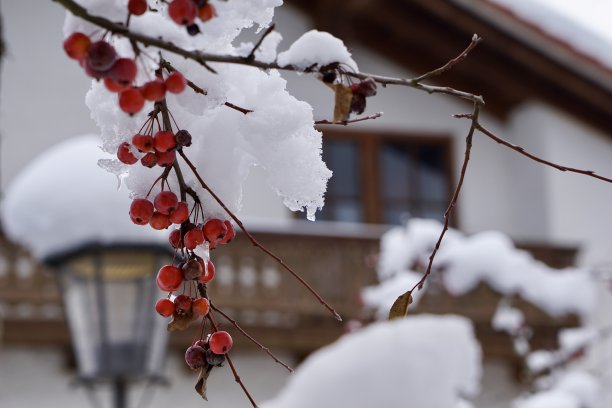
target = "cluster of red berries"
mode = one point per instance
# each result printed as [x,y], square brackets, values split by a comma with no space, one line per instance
[182,12]
[210,352]
[153,149]
[100,61]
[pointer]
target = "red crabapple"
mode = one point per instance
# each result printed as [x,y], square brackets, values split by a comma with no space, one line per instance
[159,221]
[209,274]
[230,234]
[125,155]
[101,56]
[175,238]
[220,342]
[169,278]
[207,12]
[164,307]
[182,12]
[180,214]
[154,90]
[165,202]
[165,159]
[164,141]
[183,138]
[114,86]
[182,305]
[149,160]
[137,7]
[214,359]
[214,231]
[131,101]
[141,211]
[176,82]
[144,143]
[193,238]
[201,307]
[124,71]
[76,46]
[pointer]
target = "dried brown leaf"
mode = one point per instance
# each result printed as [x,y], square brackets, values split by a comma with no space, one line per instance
[400,306]
[342,106]
[200,386]
[181,322]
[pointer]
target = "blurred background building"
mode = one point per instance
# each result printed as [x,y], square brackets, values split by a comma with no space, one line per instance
[542,90]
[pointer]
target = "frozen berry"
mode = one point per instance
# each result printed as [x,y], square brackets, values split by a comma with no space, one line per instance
[114,86]
[208,274]
[183,138]
[193,238]
[176,82]
[214,231]
[192,269]
[164,307]
[165,202]
[195,357]
[131,101]
[358,103]
[125,155]
[141,211]
[101,56]
[230,234]
[193,29]
[77,45]
[169,278]
[214,359]
[220,342]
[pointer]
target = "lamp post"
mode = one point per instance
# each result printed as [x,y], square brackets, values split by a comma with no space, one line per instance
[109,294]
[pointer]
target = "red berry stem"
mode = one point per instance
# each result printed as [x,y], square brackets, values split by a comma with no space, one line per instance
[213,323]
[248,336]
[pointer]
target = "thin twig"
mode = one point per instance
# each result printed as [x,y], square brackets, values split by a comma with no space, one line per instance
[475,41]
[213,323]
[254,241]
[203,58]
[248,336]
[525,153]
[451,205]
[347,122]
[199,90]
[251,55]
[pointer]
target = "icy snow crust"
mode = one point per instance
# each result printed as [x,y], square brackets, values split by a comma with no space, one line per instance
[422,361]
[465,261]
[278,136]
[62,200]
[317,48]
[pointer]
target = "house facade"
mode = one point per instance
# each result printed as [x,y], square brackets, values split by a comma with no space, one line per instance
[541,93]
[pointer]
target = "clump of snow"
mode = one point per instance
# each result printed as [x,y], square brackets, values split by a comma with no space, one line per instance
[317,48]
[489,257]
[421,361]
[507,318]
[278,136]
[574,389]
[63,200]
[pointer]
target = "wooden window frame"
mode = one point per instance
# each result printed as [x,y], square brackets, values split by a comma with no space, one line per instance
[368,146]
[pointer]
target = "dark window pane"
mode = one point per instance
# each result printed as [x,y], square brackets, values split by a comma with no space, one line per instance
[397,169]
[432,180]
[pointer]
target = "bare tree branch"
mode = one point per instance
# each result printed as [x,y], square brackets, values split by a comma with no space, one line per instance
[347,122]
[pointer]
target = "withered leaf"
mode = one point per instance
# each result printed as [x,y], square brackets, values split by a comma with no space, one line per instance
[200,386]
[181,322]
[400,306]
[342,107]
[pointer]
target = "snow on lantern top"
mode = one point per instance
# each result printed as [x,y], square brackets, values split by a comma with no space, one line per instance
[63,200]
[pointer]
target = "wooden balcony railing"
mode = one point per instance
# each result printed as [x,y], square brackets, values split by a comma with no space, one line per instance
[268,302]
